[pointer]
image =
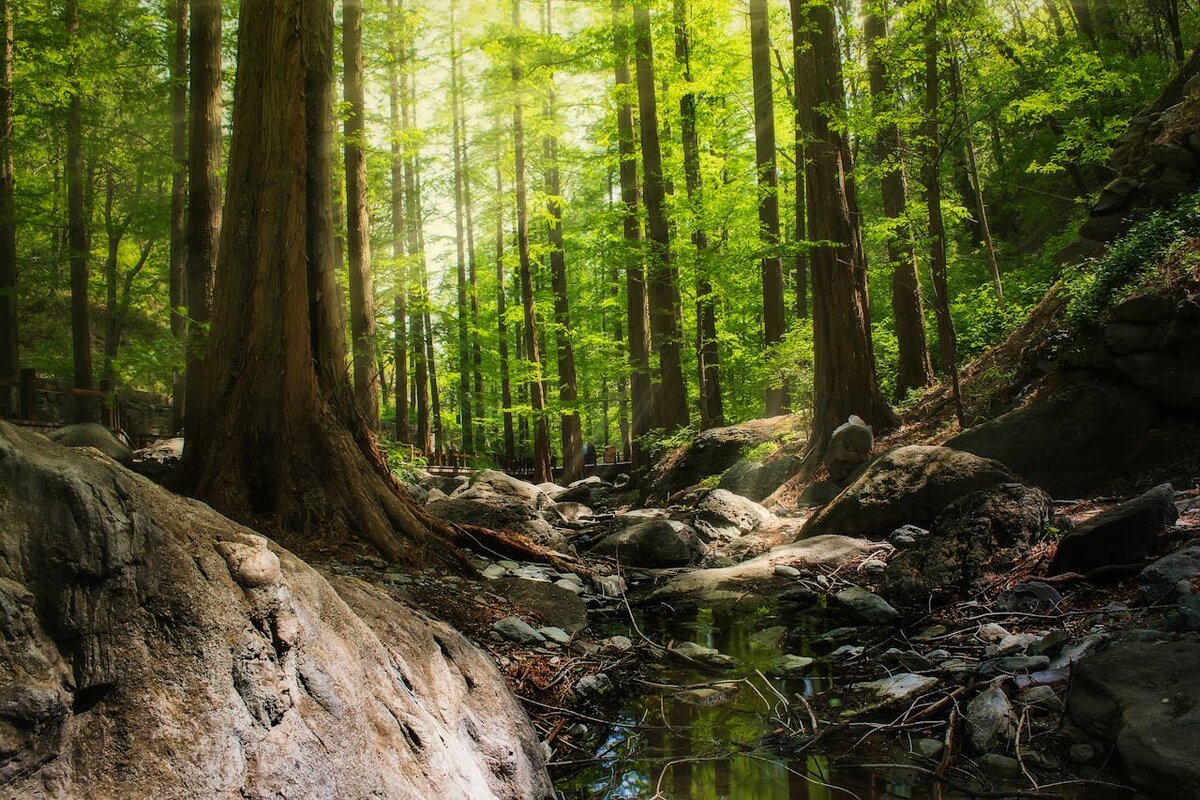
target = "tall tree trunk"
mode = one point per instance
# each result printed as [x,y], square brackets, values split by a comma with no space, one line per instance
[708,356]
[413,221]
[10,363]
[571,427]
[914,370]
[671,396]
[283,438]
[800,259]
[358,229]
[502,324]
[204,194]
[177,259]
[537,397]
[77,239]
[114,230]
[435,397]
[637,310]
[464,343]
[844,380]
[473,281]
[776,399]
[399,222]
[932,179]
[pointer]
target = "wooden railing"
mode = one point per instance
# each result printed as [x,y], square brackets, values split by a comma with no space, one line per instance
[27,386]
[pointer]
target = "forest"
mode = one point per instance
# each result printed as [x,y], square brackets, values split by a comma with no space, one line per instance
[599,398]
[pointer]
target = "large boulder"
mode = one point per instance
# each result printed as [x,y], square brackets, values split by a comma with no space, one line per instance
[653,543]
[849,448]
[1142,696]
[1123,535]
[757,479]
[1073,443]
[710,453]
[909,485]
[498,501]
[721,514]
[985,532]
[150,647]
[91,434]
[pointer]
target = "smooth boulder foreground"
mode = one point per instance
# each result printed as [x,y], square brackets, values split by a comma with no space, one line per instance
[152,648]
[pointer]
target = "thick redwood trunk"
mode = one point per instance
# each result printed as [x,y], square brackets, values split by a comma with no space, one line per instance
[283,441]
[358,221]
[204,193]
[844,372]
[670,398]
[775,397]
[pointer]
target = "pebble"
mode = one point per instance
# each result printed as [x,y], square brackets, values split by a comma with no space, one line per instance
[928,748]
[494,571]
[999,766]
[618,643]
[1041,696]
[592,686]
[991,632]
[706,655]
[517,630]
[790,666]
[555,634]
[1081,753]
[784,571]
[873,565]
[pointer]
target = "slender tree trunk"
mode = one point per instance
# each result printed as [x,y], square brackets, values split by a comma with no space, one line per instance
[537,398]
[204,193]
[10,363]
[362,295]
[77,239]
[473,281]
[177,259]
[114,230]
[914,370]
[435,397]
[413,222]
[502,324]
[800,259]
[843,367]
[571,426]
[708,356]
[637,311]
[307,460]
[399,222]
[1055,17]
[671,396]
[776,399]
[464,344]
[932,178]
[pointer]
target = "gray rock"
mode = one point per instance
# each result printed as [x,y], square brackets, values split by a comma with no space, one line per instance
[91,434]
[560,607]
[1142,694]
[818,493]
[1123,338]
[1074,442]
[1011,665]
[801,595]
[991,723]
[787,571]
[707,656]
[555,634]
[653,543]
[866,606]
[142,661]
[899,688]
[1170,379]
[790,666]
[721,514]
[1114,196]
[1082,753]
[618,643]
[910,485]
[907,535]
[849,447]
[593,687]
[1122,535]
[515,629]
[1030,597]
[571,586]
[1160,581]
[931,749]
[1000,766]
[1042,697]
[493,571]
[757,480]
[1144,308]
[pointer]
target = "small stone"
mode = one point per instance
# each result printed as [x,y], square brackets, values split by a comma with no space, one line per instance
[991,632]
[824,582]
[873,566]
[512,565]
[990,720]
[570,586]
[555,634]
[938,655]
[831,639]
[999,766]
[1040,760]
[591,687]
[707,696]
[846,652]
[1013,643]
[618,643]
[790,666]
[785,571]
[928,748]
[866,606]
[517,630]
[704,655]
[1011,665]
[578,729]
[494,571]
[900,688]
[1042,697]
[1081,753]
[907,535]
[769,638]
[800,595]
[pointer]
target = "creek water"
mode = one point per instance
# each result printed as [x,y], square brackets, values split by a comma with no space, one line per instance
[689,745]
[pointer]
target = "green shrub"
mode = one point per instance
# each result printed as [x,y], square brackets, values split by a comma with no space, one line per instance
[405,462]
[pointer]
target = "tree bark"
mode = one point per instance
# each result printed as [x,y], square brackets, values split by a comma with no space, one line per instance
[464,344]
[358,228]
[77,238]
[537,397]
[571,427]
[775,399]
[670,399]
[416,254]
[510,449]
[177,259]
[10,362]
[399,222]
[204,194]
[477,399]
[284,442]
[637,311]
[708,355]
[800,259]
[914,368]
[932,178]
[844,380]
[435,397]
